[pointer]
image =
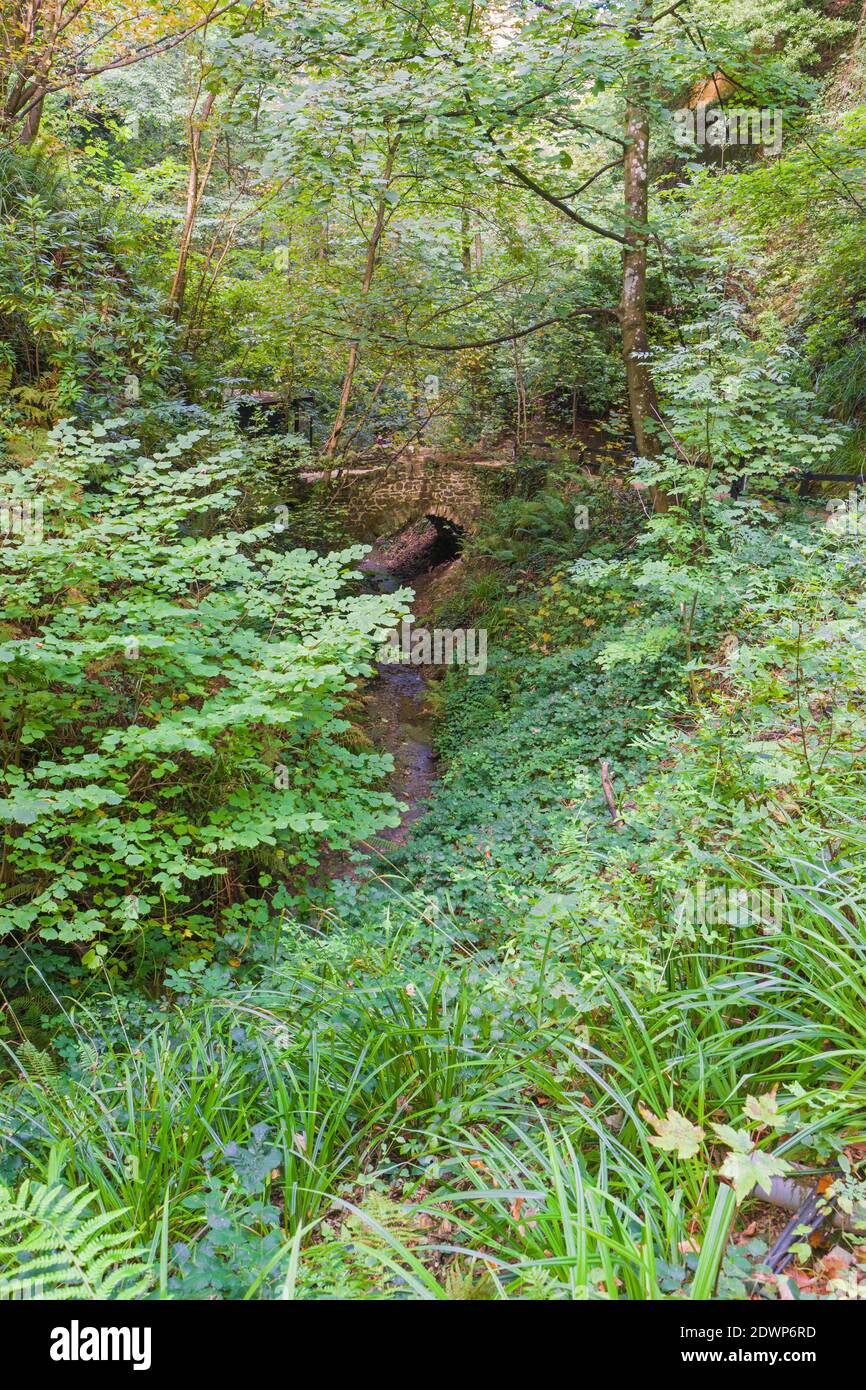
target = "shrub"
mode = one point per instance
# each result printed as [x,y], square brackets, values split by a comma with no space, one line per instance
[172,699]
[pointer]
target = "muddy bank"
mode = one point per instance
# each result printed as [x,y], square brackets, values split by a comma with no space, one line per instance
[415,555]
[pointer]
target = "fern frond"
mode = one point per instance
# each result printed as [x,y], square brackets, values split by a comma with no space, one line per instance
[465,1285]
[88,1056]
[28,1008]
[50,1243]
[385,1216]
[353,738]
[39,1065]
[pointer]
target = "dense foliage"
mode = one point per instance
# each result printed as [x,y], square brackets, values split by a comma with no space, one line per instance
[564,1032]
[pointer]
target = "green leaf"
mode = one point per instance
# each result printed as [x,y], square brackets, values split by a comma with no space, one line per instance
[740,1140]
[747,1171]
[675,1133]
[764,1110]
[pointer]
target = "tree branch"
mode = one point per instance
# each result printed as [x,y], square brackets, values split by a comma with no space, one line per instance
[590,310]
[529,182]
[126,60]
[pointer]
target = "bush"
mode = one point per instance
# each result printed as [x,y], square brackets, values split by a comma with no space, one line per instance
[172,699]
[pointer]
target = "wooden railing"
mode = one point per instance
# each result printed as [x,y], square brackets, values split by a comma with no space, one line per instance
[806,480]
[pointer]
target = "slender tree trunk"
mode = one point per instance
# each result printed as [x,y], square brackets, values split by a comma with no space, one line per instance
[520,389]
[465,242]
[635,343]
[345,395]
[34,32]
[196,184]
[642,399]
[369,271]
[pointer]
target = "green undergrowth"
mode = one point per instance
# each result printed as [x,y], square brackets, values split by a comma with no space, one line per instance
[506,1060]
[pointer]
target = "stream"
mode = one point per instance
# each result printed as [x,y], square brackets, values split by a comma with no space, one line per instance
[398,714]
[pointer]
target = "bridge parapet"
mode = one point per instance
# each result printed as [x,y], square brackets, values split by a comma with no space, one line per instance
[382,497]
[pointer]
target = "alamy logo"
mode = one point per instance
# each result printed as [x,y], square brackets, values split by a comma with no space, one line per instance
[22,516]
[731,905]
[23,1291]
[77,1343]
[441,647]
[739,126]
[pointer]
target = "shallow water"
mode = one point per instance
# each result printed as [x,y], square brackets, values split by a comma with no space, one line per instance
[400,721]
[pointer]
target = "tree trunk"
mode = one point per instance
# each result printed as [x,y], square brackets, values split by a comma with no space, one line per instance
[643,403]
[32,121]
[635,343]
[345,395]
[465,243]
[520,389]
[369,271]
[196,184]
[30,31]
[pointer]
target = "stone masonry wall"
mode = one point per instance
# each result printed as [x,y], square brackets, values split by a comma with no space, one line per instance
[383,499]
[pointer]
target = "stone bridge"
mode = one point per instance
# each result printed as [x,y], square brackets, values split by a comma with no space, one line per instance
[382,497]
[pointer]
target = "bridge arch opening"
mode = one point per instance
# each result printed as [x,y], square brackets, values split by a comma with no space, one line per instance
[448,541]
[417,547]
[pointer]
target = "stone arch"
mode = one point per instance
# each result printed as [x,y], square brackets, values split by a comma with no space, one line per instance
[371,520]
[377,516]
[455,517]
[381,501]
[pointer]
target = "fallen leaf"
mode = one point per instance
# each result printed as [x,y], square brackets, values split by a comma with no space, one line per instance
[745,1172]
[764,1110]
[675,1133]
[834,1263]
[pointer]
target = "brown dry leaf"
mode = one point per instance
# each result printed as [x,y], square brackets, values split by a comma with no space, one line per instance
[834,1263]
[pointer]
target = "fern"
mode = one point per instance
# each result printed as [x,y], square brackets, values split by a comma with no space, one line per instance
[464,1285]
[36,403]
[353,738]
[28,1008]
[88,1056]
[28,1015]
[37,1064]
[49,1241]
[380,1218]
[40,1066]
